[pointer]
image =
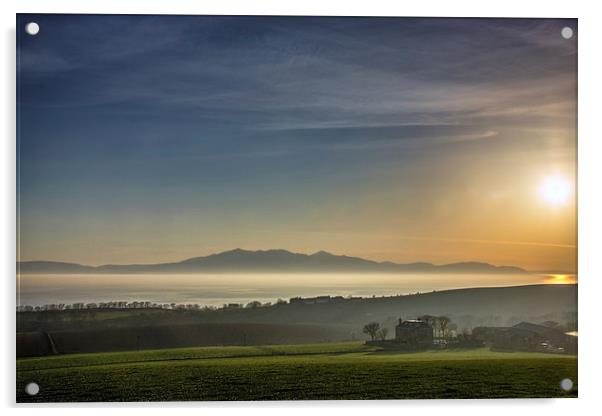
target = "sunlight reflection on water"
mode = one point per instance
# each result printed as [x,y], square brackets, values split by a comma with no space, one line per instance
[216,289]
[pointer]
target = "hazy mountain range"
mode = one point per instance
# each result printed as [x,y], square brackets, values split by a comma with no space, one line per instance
[266,261]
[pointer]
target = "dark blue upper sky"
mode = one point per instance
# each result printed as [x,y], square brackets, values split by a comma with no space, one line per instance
[156,137]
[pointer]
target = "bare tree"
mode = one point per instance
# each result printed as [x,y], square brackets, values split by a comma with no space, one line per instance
[382,333]
[371,329]
[466,335]
[253,304]
[444,323]
[453,329]
[430,320]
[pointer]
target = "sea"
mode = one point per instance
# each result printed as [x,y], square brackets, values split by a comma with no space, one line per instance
[219,289]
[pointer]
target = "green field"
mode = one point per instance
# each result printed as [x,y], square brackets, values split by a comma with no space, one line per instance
[310,372]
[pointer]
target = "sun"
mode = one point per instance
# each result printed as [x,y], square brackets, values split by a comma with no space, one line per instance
[555,190]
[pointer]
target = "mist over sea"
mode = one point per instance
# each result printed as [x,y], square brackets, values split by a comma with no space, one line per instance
[217,289]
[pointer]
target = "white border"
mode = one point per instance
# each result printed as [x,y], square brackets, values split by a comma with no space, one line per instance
[590,206]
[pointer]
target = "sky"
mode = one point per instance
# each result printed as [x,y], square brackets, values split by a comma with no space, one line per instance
[145,139]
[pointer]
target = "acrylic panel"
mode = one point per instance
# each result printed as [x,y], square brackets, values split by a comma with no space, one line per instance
[284,208]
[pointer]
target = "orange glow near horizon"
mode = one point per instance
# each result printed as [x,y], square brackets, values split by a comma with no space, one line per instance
[561,279]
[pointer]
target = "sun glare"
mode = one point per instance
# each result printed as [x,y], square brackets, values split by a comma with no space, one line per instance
[556,190]
[560,279]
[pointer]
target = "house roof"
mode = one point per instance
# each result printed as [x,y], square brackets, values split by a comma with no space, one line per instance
[414,323]
[538,329]
[517,331]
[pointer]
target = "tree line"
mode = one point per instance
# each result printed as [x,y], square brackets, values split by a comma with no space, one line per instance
[143,305]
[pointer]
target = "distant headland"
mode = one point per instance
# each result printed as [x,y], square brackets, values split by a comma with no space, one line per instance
[265,261]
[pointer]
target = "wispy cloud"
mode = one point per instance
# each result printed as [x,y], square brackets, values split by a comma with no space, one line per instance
[317,72]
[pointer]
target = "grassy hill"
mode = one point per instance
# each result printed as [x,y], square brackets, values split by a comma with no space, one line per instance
[171,336]
[288,372]
[98,330]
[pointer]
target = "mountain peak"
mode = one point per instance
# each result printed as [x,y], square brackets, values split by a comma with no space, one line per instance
[322,253]
[237,250]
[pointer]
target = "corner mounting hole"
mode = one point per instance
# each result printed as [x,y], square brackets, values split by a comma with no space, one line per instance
[32,28]
[566,384]
[32,389]
[566,32]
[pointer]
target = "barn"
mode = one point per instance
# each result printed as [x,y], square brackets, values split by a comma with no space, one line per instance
[527,336]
